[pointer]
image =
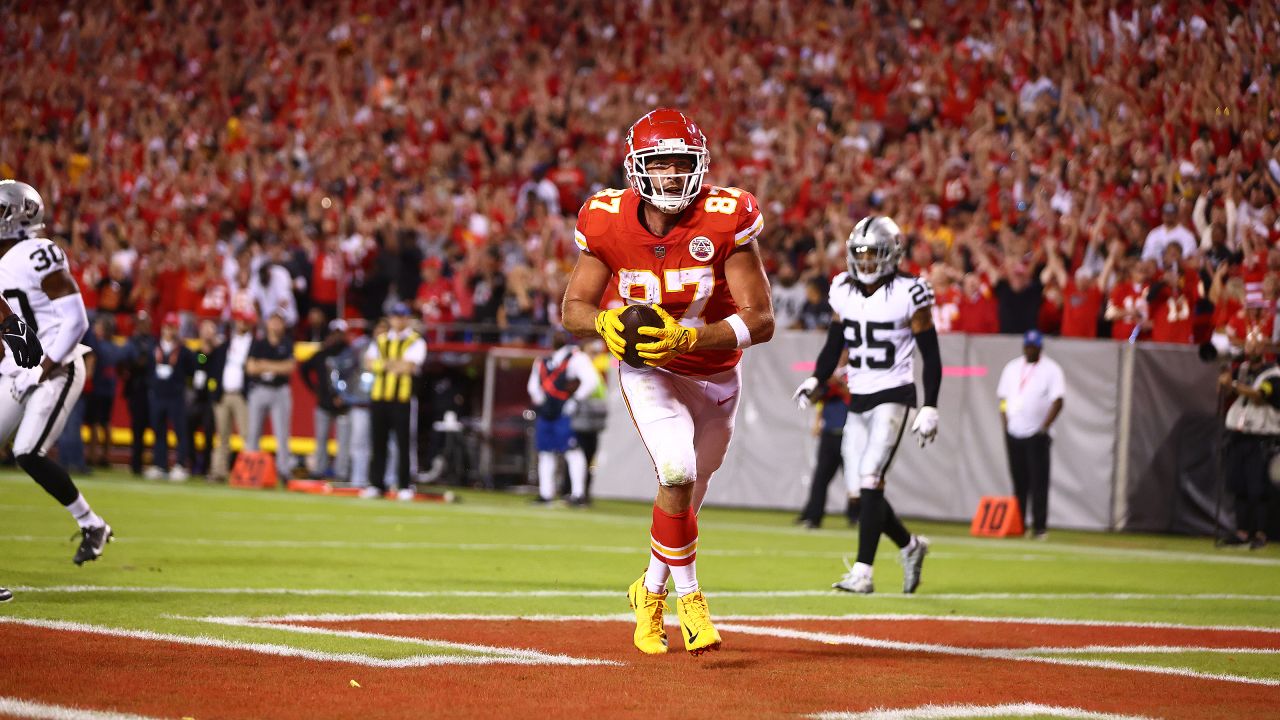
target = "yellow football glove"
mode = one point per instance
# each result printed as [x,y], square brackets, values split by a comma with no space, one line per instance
[608,325]
[672,339]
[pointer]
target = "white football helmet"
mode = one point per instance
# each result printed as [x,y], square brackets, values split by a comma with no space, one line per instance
[873,249]
[21,210]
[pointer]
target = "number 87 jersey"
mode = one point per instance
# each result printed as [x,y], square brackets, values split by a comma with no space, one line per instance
[683,271]
[877,330]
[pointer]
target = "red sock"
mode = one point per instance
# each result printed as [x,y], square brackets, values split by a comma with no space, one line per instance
[674,538]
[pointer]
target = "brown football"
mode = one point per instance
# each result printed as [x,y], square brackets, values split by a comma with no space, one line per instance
[633,318]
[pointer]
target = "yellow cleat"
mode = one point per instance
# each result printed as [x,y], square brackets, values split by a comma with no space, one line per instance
[650,637]
[695,622]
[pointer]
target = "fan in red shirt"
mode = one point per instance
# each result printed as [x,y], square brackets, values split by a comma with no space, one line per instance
[326,277]
[946,300]
[689,251]
[979,309]
[436,301]
[1127,307]
[1173,299]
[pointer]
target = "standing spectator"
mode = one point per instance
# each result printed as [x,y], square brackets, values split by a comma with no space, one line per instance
[227,386]
[436,301]
[1030,391]
[1169,231]
[815,314]
[1127,307]
[488,289]
[320,374]
[272,290]
[591,418]
[1253,424]
[141,345]
[101,391]
[170,365]
[357,384]
[558,383]
[268,369]
[1082,293]
[394,358]
[833,410]
[788,297]
[200,414]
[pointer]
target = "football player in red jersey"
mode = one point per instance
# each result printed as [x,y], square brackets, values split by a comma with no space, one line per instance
[688,250]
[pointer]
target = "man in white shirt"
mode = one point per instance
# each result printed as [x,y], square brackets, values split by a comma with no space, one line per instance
[1170,231]
[1030,391]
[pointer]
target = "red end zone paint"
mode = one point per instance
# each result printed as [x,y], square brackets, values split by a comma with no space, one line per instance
[754,676]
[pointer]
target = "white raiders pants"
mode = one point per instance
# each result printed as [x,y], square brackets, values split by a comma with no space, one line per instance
[870,441]
[39,420]
[686,422]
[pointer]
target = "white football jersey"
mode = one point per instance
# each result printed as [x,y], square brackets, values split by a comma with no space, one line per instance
[22,269]
[877,330]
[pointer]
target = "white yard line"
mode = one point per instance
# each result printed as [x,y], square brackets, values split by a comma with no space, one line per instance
[1148,650]
[990,654]
[515,657]
[570,593]
[17,707]
[946,712]
[521,656]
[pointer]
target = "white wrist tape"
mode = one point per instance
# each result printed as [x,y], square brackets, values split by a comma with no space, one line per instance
[740,329]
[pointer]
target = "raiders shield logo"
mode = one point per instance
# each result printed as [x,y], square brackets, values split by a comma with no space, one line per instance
[660,251]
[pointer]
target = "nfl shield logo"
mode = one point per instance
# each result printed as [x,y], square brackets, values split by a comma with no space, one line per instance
[660,251]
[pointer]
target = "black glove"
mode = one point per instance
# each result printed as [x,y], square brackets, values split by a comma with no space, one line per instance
[22,341]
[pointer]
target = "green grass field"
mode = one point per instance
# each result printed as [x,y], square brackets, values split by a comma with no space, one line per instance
[184,552]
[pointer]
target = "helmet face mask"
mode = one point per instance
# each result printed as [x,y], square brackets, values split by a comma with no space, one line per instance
[873,249]
[21,210]
[667,159]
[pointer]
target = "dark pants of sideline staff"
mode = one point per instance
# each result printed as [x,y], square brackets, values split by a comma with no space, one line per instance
[1029,465]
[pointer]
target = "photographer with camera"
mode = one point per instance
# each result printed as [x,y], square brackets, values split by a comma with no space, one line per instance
[1253,434]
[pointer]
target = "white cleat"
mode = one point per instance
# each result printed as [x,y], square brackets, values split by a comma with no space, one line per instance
[854,581]
[912,559]
[178,474]
[370,493]
[153,473]
[405,494]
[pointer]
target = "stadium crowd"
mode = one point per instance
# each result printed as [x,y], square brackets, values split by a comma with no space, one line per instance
[1088,167]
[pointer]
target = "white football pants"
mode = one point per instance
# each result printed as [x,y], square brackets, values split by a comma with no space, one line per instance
[686,422]
[39,420]
[870,441]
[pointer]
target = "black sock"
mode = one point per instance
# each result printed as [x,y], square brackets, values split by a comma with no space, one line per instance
[893,527]
[853,510]
[870,522]
[50,476]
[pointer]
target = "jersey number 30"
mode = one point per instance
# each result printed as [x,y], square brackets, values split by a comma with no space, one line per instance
[880,354]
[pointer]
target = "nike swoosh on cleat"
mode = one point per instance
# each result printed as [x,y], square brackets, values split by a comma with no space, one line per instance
[721,402]
[693,635]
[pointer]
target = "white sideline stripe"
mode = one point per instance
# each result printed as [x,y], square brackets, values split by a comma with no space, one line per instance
[515,658]
[944,712]
[529,657]
[1148,650]
[918,597]
[17,707]
[990,654]
[629,617]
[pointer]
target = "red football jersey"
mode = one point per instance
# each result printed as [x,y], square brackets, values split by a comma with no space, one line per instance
[682,271]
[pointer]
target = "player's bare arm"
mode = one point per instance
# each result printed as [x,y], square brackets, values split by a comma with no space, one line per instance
[582,296]
[744,273]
